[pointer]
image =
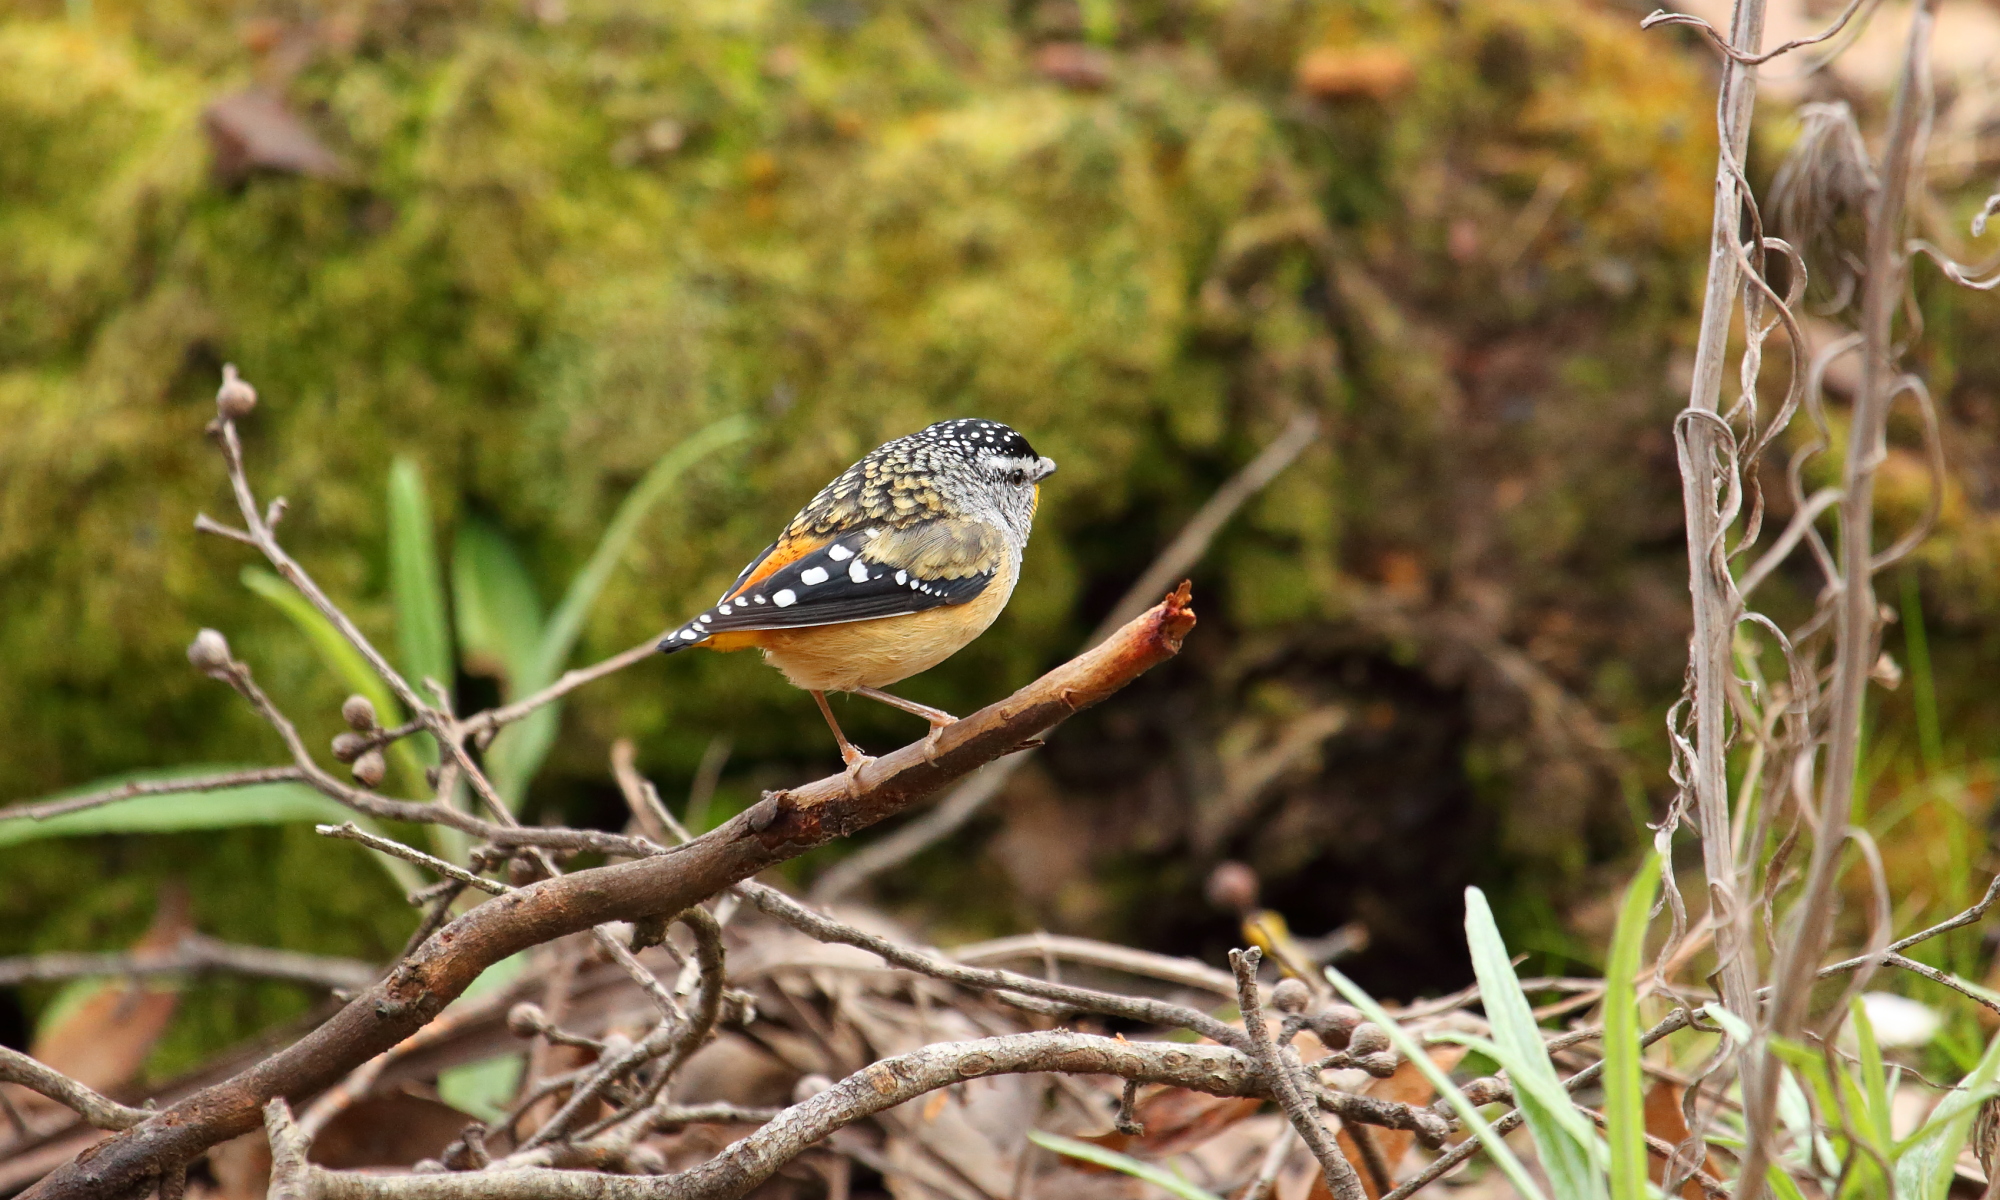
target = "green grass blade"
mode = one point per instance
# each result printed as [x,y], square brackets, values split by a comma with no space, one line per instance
[485,1088]
[559,638]
[500,633]
[1923,684]
[1563,1137]
[1495,1146]
[1874,1079]
[1090,1152]
[340,657]
[1624,1098]
[518,752]
[1923,1162]
[334,651]
[499,615]
[423,632]
[180,812]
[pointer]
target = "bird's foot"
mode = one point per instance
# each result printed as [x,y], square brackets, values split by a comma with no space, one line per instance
[856,760]
[931,741]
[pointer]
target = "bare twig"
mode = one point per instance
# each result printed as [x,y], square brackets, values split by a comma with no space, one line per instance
[1216,1070]
[1856,610]
[152,787]
[1134,1008]
[1304,1115]
[1186,972]
[482,725]
[1266,1179]
[674,1040]
[193,953]
[1701,453]
[351,832]
[1192,542]
[16,1067]
[779,827]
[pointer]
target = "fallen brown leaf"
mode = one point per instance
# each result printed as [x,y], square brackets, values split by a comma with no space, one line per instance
[103,1042]
[1347,73]
[1664,1121]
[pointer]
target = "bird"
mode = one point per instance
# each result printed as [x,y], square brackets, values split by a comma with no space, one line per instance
[896,565]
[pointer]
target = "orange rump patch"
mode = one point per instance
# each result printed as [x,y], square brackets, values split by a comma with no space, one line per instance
[785,552]
[735,639]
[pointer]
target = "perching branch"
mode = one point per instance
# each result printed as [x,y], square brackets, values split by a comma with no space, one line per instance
[781,826]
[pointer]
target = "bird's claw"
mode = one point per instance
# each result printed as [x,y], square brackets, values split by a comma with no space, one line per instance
[855,762]
[931,740]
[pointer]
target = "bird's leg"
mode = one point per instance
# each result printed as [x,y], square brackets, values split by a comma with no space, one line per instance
[940,719]
[849,752]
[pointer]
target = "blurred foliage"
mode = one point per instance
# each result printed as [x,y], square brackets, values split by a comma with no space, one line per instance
[566,234]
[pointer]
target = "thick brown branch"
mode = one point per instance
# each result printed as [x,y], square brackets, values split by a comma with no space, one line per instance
[779,827]
[1216,1070]
[16,1067]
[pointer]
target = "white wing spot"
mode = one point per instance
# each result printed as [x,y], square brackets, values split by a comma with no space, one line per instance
[873,533]
[688,635]
[786,598]
[858,571]
[725,610]
[902,577]
[811,575]
[839,553]
[757,599]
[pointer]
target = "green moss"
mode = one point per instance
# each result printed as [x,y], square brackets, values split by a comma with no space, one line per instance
[564,245]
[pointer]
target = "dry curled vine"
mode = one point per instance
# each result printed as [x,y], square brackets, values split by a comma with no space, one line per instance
[594,1109]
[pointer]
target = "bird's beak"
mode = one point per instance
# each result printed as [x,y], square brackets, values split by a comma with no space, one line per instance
[1044,468]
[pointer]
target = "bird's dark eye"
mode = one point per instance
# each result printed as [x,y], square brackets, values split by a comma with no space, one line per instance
[1017,477]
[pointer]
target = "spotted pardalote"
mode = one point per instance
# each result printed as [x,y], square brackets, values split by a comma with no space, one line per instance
[893,567]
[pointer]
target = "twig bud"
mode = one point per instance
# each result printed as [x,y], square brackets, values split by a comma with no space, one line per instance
[209,651]
[235,399]
[349,746]
[1367,1038]
[1290,996]
[359,713]
[1334,1024]
[1232,886]
[526,1020]
[369,769]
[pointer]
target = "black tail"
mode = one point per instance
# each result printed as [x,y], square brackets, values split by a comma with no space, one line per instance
[679,639]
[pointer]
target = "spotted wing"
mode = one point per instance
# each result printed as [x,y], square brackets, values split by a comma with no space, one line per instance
[859,576]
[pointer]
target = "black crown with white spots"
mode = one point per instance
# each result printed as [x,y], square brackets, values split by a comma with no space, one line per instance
[975,437]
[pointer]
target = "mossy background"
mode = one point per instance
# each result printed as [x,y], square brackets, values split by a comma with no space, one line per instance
[570,234]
